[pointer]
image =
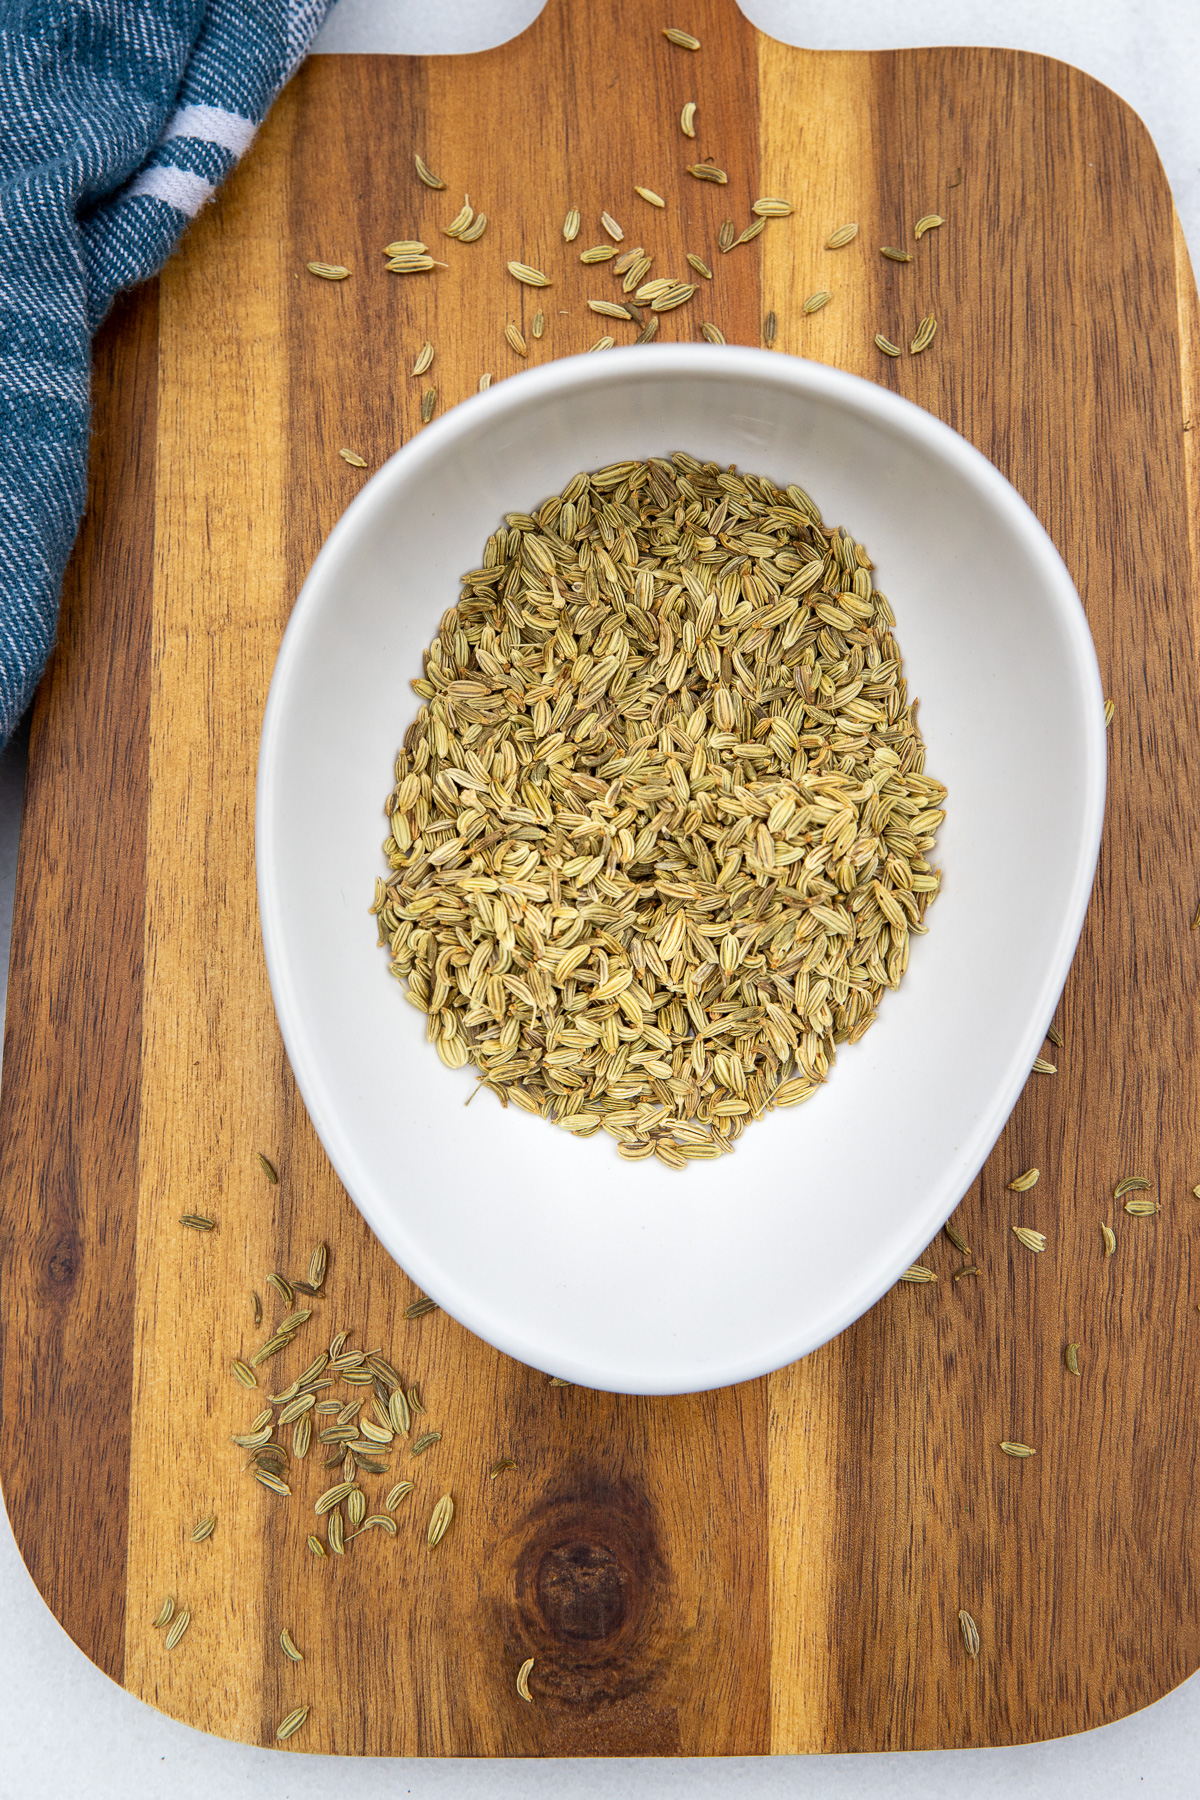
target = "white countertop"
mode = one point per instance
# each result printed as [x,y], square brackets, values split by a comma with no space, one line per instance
[65,1729]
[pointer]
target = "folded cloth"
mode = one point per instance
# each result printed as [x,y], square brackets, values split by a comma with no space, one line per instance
[118,120]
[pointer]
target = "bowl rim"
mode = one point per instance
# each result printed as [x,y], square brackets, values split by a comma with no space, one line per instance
[878,405]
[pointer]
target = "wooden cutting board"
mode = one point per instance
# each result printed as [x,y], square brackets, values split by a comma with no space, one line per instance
[776,1567]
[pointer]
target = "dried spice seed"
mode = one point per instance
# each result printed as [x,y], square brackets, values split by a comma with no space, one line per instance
[929,223]
[485,382]
[296,1408]
[179,1625]
[816,301]
[687,119]
[613,229]
[1011,1449]
[557,1381]
[420,1307]
[708,172]
[1021,1184]
[335,1534]
[770,325]
[428,402]
[957,1239]
[315,1545]
[516,340]
[425,1442]
[460,221]
[318,1262]
[683,39]
[531,277]
[1071,1358]
[1032,1240]
[413,265]
[356,1506]
[523,1674]
[917,1273]
[256,1308]
[726,235]
[751,232]
[598,253]
[198,1222]
[273,1482]
[602,343]
[678,294]
[283,1288]
[649,194]
[895,255]
[843,235]
[1109,710]
[473,233]
[439,1522]
[886,345]
[203,1530]
[970,1632]
[427,175]
[539,324]
[328,271]
[287,1644]
[611,309]
[332,1497]
[377,1522]
[924,337]
[1142,1209]
[400,1492]
[649,330]
[1110,1239]
[264,1162]
[415,1402]
[772,209]
[164,1613]
[424,359]
[1055,1036]
[289,1726]
[712,333]
[499,1468]
[1042,1067]
[302,1437]
[967,1269]
[410,247]
[1130,1184]
[356,462]
[571,225]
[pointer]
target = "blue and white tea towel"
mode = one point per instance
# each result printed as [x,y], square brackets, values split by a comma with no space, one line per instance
[118,120]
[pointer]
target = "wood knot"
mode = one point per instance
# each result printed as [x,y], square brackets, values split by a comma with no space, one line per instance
[63,1261]
[582,1591]
[591,1592]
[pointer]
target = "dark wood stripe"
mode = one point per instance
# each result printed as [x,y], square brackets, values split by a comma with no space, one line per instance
[69,1101]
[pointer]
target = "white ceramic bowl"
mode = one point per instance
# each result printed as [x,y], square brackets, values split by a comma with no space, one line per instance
[627,1276]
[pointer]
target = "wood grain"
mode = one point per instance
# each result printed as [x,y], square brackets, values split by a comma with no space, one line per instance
[774,1567]
[72,1046]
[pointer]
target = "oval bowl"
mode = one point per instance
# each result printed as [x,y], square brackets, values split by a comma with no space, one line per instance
[627,1276]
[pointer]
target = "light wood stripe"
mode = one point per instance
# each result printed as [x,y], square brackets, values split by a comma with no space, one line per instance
[211,1058]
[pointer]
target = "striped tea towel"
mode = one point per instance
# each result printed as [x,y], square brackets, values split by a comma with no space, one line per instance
[118,120]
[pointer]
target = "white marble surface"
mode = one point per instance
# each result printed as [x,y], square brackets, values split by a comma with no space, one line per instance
[64,1727]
